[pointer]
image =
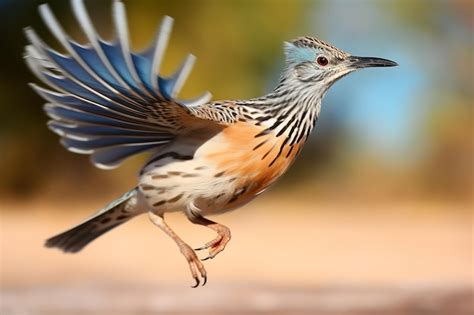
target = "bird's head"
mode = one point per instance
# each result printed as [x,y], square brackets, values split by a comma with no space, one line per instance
[311,60]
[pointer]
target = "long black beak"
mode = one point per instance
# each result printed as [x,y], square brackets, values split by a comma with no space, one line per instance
[366,62]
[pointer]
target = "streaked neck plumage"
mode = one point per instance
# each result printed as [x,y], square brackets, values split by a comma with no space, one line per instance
[291,109]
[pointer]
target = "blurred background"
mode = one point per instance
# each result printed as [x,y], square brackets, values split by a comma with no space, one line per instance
[375,217]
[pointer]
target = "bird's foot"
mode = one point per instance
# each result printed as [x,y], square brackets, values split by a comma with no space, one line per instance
[218,244]
[195,265]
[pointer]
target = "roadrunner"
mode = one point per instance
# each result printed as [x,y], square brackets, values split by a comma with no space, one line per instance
[206,157]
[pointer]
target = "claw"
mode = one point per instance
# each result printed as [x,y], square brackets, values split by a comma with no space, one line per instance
[218,244]
[202,247]
[205,281]
[197,282]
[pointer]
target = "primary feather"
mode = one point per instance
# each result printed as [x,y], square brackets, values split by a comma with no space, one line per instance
[106,100]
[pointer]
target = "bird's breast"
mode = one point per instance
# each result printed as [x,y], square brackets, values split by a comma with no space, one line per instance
[252,158]
[223,173]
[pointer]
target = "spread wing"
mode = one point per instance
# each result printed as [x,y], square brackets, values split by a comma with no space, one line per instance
[104,99]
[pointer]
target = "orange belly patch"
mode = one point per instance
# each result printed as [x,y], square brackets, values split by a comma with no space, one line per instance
[255,162]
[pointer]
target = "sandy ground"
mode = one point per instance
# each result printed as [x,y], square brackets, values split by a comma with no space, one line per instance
[236,299]
[284,258]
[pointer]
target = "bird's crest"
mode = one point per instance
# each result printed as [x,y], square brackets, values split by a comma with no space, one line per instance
[307,48]
[312,42]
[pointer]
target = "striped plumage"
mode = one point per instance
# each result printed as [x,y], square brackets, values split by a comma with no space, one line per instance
[206,157]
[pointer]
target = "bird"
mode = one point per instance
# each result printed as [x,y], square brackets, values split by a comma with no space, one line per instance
[205,157]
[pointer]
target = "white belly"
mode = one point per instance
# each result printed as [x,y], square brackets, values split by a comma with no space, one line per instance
[172,185]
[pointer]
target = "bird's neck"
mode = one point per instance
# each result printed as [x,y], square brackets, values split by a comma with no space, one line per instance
[291,109]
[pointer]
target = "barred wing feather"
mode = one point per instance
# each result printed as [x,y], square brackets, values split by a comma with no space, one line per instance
[104,99]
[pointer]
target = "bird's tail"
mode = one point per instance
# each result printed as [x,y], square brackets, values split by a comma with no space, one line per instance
[116,213]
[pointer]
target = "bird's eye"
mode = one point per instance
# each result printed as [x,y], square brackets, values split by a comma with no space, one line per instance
[322,61]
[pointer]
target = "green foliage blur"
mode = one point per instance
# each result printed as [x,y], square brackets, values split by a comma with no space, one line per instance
[239,48]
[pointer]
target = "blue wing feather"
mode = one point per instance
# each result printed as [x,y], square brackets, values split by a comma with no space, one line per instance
[72,67]
[59,112]
[111,157]
[69,86]
[116,57]
[85,131]
[73,101]
[91,58]
[92,144]
[108,101]
[143,68]
[165,85]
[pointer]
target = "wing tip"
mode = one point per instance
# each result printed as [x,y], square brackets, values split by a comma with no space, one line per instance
[74,149]
[167,20]
[43,7]
[105,167]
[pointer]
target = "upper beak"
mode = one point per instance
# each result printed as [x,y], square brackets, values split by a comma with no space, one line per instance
[366,62]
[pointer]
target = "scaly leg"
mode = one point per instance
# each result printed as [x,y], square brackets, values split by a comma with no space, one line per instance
[195,264]
[218,244]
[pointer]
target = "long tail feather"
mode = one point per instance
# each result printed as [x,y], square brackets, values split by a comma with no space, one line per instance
[118,212]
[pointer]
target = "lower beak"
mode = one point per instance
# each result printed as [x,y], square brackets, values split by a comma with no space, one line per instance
[366,62]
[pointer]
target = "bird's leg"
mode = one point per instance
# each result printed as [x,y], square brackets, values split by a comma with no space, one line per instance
[195,264]
[218,244]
